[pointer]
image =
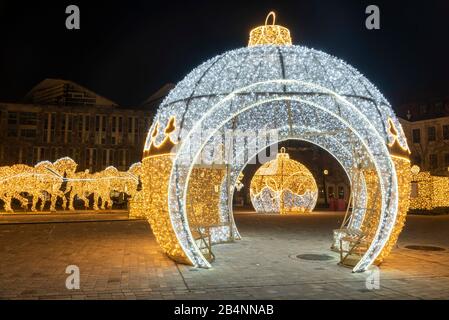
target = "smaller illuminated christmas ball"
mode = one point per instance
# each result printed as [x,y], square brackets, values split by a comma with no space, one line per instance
[283,186]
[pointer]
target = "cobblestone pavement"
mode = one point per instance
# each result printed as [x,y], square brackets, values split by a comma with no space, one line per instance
[121,260]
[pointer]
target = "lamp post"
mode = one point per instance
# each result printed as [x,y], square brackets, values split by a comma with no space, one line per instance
[325,173]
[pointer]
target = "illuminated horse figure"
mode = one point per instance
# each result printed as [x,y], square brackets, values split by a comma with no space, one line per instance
[75,181]
[134,190]
[81,186]
[18,179]
[50,184]
[102,187]
[6,194]
[127,182]
[110,180]
[4,172]
[133,185]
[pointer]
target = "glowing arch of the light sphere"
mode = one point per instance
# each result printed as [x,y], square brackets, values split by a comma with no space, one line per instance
[381,235]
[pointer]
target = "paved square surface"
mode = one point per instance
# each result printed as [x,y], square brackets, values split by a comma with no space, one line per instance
[121,260]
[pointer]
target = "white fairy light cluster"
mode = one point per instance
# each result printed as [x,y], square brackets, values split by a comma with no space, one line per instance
[294,92]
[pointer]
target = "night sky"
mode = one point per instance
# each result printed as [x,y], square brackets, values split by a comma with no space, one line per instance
[126,50]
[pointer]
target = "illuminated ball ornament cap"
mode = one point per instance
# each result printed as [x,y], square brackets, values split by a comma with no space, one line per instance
[283,186]
[270,33]
[298,93]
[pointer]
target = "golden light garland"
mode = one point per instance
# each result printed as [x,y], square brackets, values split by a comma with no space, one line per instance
[283,186]
[270,34]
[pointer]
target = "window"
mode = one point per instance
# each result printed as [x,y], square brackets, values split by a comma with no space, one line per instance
[416,133]
[83,128]
[431,134]
[12,132]
[91,158]
[28,133]
[100,129]
[116,129]
[108,157]
[114,124]
[49,128]
[120,124]
[105,158]
[111,157]
[12,117]
[417,160]
[446,132]
[39,154]
[130,124]
[446,159]
[28,118]
[97,123]
[433,161]
[341,192]
[27,156]
[133,130]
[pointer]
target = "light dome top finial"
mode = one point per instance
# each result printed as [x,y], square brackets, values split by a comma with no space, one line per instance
[270,33]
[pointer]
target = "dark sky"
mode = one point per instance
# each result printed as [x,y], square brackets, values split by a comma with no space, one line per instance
[126,50]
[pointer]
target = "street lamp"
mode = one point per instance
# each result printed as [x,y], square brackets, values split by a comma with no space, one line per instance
[325,173]
[415,169]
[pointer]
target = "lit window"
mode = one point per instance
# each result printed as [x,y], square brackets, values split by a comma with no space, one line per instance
[416,135]
[431,134]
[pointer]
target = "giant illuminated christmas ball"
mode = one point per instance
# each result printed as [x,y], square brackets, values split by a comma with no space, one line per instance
[283,186]
[232,106]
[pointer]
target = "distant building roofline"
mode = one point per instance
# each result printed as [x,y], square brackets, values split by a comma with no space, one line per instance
[49,84]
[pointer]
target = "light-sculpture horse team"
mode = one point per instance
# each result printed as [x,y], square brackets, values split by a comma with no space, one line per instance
[46,182]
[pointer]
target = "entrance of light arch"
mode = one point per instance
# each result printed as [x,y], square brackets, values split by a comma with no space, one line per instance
[293,233]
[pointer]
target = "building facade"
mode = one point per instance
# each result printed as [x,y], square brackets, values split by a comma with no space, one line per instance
[60,118]
[426,126]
